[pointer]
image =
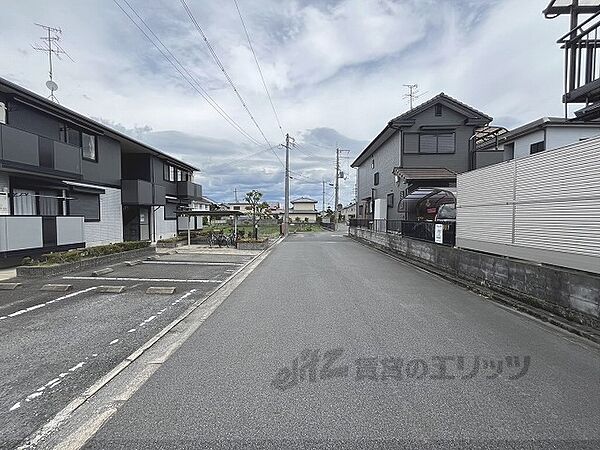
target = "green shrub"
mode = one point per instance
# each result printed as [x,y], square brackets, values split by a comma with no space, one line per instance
[91,252]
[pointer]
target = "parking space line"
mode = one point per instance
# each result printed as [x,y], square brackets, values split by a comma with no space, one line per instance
[166,280]
[41,305]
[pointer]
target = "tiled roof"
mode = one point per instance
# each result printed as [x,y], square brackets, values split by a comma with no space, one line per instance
[304,200]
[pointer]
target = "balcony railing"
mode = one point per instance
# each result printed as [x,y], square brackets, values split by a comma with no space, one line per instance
[415,229]
[187,189]
[28,149]
[582,66]
[40,232]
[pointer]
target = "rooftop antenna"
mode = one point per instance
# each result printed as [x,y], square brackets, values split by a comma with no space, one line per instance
[51,45]
[412,94]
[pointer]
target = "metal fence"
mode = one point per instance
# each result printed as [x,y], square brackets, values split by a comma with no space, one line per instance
[422,230]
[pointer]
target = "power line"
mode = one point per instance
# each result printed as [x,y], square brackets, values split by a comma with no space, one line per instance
[222,67]
[258,67]
[194,82]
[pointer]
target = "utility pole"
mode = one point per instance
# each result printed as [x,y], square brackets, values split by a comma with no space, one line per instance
[286,214]
[337,187]
[51,46]
[235,194]
[323,204]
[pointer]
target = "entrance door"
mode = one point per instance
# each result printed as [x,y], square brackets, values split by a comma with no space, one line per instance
[136,223]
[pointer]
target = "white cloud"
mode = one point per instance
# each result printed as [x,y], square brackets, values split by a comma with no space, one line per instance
[337,65]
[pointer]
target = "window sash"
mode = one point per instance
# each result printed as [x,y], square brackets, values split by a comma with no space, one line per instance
[89,147]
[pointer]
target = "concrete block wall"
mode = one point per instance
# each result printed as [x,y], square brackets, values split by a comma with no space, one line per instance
[574,295]
[110,227]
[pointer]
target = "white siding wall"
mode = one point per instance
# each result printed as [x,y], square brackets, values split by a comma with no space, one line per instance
[110,227]
[164,228]
[544,208]
[523,144]
[559,137]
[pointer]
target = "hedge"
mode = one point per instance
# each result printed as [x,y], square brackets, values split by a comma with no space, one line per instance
[91,252]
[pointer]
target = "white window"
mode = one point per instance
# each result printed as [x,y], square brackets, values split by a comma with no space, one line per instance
[89,147]
[2,112]
[171,173]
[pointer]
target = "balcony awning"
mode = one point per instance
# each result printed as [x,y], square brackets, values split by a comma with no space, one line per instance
[432,173]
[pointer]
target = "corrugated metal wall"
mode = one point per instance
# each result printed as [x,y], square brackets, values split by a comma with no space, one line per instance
[544,207]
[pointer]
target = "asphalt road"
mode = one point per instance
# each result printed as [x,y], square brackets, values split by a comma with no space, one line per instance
[404,359]
[54,345]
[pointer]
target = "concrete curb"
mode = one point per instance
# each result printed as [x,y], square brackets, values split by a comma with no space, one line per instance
[545,316]
[60,269]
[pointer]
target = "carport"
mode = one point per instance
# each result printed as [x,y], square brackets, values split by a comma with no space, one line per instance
[217,214]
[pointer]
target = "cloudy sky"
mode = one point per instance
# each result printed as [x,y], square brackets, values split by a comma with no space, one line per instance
[335,70]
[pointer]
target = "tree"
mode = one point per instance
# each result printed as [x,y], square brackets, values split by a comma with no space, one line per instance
[257,208]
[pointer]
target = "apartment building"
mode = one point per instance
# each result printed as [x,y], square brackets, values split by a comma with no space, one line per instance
[67,181]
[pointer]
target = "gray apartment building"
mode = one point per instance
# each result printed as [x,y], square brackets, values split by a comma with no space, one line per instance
[424,147]
[67,181]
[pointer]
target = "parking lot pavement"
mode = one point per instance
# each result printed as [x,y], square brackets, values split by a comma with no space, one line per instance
[56,344]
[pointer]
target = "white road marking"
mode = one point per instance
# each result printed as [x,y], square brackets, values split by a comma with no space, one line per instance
[15,406]
[131,331]
[41,305]
[62,375]
[169,280]
[95,354]
[113,342]
[51,382]
[77,366]
[32,396]
[55,384]
[31,308]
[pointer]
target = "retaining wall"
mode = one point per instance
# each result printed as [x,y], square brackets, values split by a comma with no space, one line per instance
[572,294]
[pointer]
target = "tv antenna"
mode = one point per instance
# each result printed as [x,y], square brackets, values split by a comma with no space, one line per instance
[51,45]
[412,94]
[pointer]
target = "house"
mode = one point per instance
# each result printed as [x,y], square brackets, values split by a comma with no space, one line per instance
[542,134]
[237,206]
[276,210]
[67,181]
[303,210]
[422,148]
[349,212]
[196,222]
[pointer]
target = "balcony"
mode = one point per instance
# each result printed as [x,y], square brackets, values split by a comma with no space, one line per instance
[189,190]
[141,192]
[137,192]
[19,233]
[29,151]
